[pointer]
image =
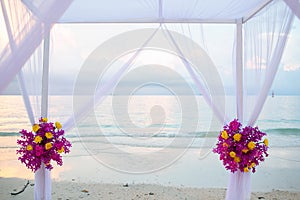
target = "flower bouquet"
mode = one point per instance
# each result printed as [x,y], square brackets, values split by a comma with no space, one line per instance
[44,143]
[241,148]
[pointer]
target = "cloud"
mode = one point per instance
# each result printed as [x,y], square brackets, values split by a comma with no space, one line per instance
[64,36]
[291,67]
[270,35]
[256,63]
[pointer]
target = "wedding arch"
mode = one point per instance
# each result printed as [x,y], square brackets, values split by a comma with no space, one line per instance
[261,32]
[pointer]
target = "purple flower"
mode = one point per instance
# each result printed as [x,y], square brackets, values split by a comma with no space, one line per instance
[234,125]
[244,153]
[39,150]
[33,152]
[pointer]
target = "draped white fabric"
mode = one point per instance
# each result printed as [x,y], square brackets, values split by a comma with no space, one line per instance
[28,22]
[239,186]
[212,90]
[217,108]
[85,105]
[265,40]
[159,11]
[25,32]
[42,187]
[42,184]
[264,43]
[294,6]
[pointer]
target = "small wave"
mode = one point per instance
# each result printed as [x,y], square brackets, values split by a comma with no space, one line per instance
[2,134]
[283,131]
[157,135]
[9,147]
[210,134]
[279,120]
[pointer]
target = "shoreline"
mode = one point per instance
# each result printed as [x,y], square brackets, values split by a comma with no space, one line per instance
[191,177]
[280,171]
[92,191]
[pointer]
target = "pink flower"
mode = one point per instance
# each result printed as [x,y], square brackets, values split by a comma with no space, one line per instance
[59,145]
[39,150]
[237,154]
[234,125]
[33,153]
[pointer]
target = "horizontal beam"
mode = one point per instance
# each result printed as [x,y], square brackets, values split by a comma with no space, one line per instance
[154,21]
[257,10]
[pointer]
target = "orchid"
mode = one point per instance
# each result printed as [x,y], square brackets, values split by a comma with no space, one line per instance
[241,148]
[44,143]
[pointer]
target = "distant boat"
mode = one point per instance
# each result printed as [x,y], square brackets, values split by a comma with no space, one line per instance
[272,94]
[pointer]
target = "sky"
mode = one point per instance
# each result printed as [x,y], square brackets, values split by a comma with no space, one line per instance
[72,44]
[287,78]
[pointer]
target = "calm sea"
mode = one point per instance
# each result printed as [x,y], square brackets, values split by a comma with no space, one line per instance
[156,117]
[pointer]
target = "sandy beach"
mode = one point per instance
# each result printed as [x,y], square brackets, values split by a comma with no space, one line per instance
[83,177]
[75,190]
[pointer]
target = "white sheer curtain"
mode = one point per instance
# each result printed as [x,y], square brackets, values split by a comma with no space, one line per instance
[211,92]
[26,28]
[294,6]
[84,104]
[11,19]
[200,67]
[264,40]
[178,45]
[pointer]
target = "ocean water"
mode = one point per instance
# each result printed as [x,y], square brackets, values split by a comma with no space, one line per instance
[145,136]
[152,121]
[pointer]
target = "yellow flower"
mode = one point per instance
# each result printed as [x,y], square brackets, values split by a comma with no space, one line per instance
[232,154]
[245,150]
[61,150]
[246,169]
[29,147]
[48,145]
[225,144]
[266,142]
[35,128]
[237,137]
[251,145]
[45,119]
[58,125]
[38,139]
[252,165]
[48,135]
[237,159]
[224,135]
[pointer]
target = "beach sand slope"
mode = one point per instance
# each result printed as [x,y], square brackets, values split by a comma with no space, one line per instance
[89,191]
